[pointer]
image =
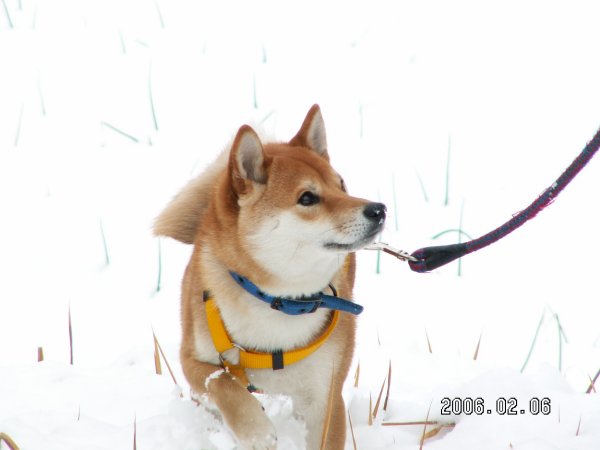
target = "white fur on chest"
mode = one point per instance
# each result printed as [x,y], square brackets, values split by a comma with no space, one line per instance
[252,323]
[293,251]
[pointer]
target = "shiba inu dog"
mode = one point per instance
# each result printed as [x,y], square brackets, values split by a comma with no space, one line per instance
[265,296]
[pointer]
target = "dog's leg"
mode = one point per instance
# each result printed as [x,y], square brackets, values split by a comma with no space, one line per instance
[315,414]
[241,411]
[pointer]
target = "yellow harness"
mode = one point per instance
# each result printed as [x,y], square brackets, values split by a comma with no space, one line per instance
[255,359]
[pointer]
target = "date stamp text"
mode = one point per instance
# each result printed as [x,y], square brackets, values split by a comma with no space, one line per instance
[504,406]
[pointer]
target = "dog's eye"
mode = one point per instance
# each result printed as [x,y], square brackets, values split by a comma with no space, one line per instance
[343,185]
[308,199]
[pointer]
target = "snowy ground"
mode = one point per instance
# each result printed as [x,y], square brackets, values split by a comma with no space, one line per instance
[108,107]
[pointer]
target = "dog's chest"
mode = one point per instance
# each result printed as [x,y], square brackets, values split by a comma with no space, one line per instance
[256,326]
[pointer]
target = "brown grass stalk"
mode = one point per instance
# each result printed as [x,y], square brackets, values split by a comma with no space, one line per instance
[134,432]
[433,432]
[578,427]
[477,348]
[376,409]
[370,422]
[389,382]
[424,435]
[428,341]
[357,374]
[401,424]
[8,440]
[157,344]
[591,387]
[559,414]
[157,365]
[352,431]
[327,422]
[40,354]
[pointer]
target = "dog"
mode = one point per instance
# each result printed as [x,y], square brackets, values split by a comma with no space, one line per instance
[266,295]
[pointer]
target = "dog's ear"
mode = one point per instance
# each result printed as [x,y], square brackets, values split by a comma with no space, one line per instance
[247,160]
[312,133]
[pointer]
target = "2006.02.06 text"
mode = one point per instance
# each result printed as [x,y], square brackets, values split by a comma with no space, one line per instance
[503,406]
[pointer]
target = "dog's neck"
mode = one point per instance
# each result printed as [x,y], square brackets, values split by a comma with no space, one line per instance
[299,305]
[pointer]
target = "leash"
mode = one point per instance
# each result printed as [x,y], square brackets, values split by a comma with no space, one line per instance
[430,258]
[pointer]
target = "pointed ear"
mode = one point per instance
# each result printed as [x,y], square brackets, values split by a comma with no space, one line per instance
[247,160]
[312,133]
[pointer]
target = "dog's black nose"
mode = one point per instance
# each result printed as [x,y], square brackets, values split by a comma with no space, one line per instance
[375,212]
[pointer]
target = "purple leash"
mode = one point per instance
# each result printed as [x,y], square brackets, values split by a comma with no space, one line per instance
[430,258]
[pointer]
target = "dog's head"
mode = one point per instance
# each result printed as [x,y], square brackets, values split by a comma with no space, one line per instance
[295,218]
[278,209]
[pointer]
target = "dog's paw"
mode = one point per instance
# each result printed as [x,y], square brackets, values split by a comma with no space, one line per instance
[259,434]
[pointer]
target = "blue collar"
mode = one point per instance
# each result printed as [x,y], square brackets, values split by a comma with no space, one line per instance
[298,305]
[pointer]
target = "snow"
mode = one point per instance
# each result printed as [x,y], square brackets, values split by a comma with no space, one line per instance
[108,108]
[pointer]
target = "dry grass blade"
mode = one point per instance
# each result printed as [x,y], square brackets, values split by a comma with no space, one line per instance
[70,336]
[424,435]
[559,414]
[352,431]
[134,433]
[328,415]
[40,354]
[419,422]
[389,382]
[428,341]
[592,387]
[593,382]
[164,358]
[477,348]
[157,365]
[376,409]
[357,375]
[578,427]
[8,440]
[432,433]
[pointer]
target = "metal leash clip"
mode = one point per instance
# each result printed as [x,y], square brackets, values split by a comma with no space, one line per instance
[400,254]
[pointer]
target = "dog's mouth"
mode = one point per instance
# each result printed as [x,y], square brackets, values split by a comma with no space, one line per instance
[356,245]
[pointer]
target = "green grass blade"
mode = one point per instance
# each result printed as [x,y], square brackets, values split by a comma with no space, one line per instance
[151,97]
[104,243]
[121,132]
[41,95]
[160,16]
[535,336]
[19,123]
[10,22]
[422,185]
[446,199]
[452,230]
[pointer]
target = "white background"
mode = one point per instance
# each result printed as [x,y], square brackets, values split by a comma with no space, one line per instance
[108,108]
